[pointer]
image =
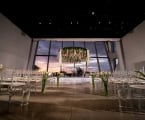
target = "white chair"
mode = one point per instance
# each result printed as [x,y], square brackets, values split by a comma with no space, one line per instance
[5,83]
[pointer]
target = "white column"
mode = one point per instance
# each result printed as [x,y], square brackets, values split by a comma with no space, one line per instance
[121,63]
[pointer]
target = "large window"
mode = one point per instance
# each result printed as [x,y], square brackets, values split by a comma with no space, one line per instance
[43,48]
[41,62]
[46,57]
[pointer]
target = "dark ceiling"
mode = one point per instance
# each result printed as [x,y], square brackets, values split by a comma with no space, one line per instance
[100,19]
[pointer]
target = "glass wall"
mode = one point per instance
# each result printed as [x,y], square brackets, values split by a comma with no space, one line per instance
[46,57]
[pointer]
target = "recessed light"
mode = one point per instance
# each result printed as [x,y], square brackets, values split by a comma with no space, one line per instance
[71,22]
[77,22]
[39,23]
[93,13]
[109,22]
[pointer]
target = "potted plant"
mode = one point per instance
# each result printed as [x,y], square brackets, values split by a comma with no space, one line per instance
[44,79]
[93,75]
[57,78]
[104,77]
[57,75]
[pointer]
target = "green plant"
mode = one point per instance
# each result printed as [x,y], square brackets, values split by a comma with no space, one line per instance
[93,75]
[74,54]
[44,79]
[140,75]
[57,75]
[104,77]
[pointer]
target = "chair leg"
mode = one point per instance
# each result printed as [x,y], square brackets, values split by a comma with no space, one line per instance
[10,98]
[25,97]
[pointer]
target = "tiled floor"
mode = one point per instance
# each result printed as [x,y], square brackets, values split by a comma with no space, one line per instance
[71,102]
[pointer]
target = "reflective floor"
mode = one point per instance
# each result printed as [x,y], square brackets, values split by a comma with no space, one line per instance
[72,102]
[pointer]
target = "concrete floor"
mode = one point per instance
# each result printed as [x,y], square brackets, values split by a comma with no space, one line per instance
[71,102]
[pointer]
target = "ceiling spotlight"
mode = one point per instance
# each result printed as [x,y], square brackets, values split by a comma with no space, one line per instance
[109,22]
[50,23]
[99,22]
[39,23]
[93,13]
[77,22]
[71,22]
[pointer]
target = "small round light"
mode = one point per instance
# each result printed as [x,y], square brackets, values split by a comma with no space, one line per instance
[93,13]
[39,23]
[109,22]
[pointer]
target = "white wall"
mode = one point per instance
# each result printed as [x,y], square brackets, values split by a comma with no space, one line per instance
[14,45]
[134,47]
[119,54]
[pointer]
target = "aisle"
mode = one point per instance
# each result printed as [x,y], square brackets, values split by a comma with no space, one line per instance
[70,102]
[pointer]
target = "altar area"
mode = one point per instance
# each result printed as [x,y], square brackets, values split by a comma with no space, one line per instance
[74,80]
[77,95]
